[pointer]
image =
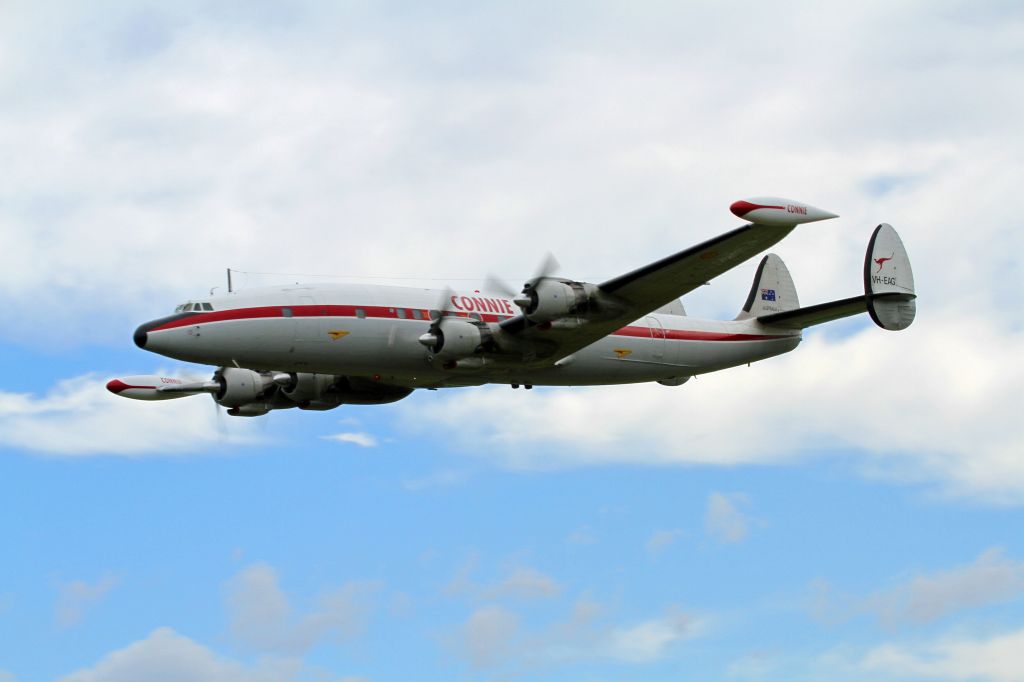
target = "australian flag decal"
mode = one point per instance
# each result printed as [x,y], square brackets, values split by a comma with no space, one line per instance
[767,294]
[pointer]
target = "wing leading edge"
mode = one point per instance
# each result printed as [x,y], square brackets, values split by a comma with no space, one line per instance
[630,296]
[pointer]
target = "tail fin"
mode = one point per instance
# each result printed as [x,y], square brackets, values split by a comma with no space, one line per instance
[888,290]
[889,280]
[772,291]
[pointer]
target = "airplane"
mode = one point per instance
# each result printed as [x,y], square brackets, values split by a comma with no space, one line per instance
[317,347]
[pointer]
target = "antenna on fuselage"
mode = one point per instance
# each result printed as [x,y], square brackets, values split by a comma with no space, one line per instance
[229,280]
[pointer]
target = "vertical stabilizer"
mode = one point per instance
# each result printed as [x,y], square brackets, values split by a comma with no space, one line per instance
[889,280]
[772,291]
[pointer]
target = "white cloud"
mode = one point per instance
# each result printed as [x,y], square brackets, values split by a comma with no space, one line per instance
[489,635]
[584,535]
[723,520]
[359,438]
[495,637]
[997,658]
[77,596]
[991,578]
[662,539]
[80,417]
[523,582]
[6,676]
[888,396]
[167,656]
[519,582]
[649,640]
[262,618]
[415,135]
[358,140]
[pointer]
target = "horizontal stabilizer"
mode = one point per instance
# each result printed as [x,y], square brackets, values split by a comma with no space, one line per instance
[801,318]
[888,291]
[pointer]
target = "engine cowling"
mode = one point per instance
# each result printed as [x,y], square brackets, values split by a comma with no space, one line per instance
[550,299]
[240,386]
[306,387]
[250,410]
[455,338]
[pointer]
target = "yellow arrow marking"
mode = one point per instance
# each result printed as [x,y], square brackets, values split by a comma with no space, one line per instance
[337,334]
[622,352]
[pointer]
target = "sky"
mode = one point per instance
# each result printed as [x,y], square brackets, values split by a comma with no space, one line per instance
[852,510]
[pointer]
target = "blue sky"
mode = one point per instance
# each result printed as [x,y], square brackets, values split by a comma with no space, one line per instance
[850,510]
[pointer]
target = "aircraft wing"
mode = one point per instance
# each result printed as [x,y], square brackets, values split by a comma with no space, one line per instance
[641,291]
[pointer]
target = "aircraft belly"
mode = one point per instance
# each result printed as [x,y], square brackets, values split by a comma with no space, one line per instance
[604,362]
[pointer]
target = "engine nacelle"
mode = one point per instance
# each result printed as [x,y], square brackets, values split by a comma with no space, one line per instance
[550,299]
[240,386]
[250,410]
[328,402]
[305,387]
[456,338]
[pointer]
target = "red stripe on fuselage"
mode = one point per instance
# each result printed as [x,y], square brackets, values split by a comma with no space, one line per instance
[690,335]
[391,313]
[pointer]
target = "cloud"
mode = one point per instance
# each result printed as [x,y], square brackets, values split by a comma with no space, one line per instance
[523,583]
[584,535]
[167,655]
[6,676]
[357,437]
[650,640]
[489,635]
[77,596]
[722,520]
[416,135]
[495,637]
[261,616]
[80,417]
[662,539]
[520,582]
[318,123]
[997,658]
[884,395]
[990,579]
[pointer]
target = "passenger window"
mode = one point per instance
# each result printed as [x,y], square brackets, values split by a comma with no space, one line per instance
[476,316]
[417,315]
[286,312]
[360,313]
[401,313]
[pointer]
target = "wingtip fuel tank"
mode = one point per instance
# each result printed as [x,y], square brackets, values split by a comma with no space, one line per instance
[153,387]
[778,211]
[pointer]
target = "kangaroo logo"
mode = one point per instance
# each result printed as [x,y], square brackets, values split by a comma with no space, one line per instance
[881,261]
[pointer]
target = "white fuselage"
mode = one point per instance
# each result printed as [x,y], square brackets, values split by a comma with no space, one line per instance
[372,331]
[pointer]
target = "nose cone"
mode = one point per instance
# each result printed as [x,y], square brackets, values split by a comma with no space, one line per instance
[141,335]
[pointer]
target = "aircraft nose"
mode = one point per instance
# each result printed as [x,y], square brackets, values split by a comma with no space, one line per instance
[141,336]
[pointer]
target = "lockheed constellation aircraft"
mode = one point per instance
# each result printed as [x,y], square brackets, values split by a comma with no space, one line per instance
[318,347]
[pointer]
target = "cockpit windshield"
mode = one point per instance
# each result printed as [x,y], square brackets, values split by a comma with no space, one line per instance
[193,307]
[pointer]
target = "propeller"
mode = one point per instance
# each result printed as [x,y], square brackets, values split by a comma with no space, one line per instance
[222,432]
[524,298]
[434,334]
